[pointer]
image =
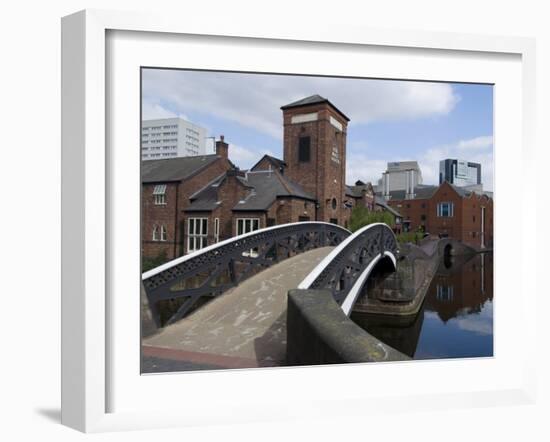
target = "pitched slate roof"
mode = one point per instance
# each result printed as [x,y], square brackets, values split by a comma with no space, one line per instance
[421,192]
[205,199]
[268,186]
[465,192]
[356,191]
[310,101]
[353,191]
[277,163]
[382,203]
[424,191]
[174,169]
[265,187]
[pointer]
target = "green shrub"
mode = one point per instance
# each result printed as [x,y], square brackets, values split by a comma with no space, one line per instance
[361,216]
[412,237]
[148,263]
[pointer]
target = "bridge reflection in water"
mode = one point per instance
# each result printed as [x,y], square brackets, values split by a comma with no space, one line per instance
[456,319]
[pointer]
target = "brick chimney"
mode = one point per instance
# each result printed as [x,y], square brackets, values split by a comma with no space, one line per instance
[222,148]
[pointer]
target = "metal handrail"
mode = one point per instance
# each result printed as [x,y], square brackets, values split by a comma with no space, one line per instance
[345,269]
[208,272]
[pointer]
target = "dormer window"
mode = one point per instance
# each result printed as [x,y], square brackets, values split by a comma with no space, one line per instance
[159,195]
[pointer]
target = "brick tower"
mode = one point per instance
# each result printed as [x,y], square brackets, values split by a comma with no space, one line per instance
[315,153]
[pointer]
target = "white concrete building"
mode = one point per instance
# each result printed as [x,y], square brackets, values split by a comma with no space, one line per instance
[400,175]
[170,138]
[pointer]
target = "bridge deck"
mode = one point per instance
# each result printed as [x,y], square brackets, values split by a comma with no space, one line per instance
[244,327]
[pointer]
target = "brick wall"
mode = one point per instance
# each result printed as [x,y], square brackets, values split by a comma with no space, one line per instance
[415,211]
[472,221]
[282,211]
[171,215]
[464,225]
[289,210]
[440,225]
[158,215]
[230,191]
[322,177]
[266,164]
[263,164]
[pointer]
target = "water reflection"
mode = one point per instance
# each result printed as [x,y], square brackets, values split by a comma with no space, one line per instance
[456,318]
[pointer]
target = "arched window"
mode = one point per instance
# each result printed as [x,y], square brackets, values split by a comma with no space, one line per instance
[159,233]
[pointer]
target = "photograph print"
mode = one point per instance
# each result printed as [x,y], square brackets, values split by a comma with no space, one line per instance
[302,220]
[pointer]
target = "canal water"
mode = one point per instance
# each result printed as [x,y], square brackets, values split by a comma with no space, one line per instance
[456,318]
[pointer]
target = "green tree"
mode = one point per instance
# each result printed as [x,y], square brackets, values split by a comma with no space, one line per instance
[361,216]
[412,237]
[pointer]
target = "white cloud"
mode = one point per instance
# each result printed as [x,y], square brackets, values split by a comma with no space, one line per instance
[152,111]
[476,150]
[254,101]
[244,157]
[481,323]
[476,143]
[362,166]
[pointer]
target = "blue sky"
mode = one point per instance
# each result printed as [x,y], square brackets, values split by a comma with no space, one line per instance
[390,120]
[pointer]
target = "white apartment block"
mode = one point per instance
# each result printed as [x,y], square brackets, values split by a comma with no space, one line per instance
[170,138]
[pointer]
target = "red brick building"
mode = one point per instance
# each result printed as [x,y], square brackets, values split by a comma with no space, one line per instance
[308,185]
[267,162]
[191,202]
[363,195]
[166,188]
[315,154]
[465,285]
[448,211]
[239,202]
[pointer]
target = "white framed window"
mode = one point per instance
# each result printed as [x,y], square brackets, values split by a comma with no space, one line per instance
[197,233]
[445,209]
[245,225]
[159,233]
[216,229]
[159,195]
[444,293]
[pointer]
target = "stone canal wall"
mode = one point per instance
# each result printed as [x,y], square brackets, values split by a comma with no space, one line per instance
[401,293]
[319,332]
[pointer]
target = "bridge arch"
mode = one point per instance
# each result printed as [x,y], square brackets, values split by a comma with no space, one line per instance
[208,272]
[346,268]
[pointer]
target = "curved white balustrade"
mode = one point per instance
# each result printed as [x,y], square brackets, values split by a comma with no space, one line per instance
[233,239]
[351,297]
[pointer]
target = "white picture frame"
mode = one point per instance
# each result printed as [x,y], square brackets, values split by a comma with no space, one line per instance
[89,173]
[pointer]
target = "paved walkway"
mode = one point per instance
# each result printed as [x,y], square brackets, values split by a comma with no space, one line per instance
[244,327]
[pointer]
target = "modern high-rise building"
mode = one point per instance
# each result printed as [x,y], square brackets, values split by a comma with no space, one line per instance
[400,175]
[461,173]
[170,138]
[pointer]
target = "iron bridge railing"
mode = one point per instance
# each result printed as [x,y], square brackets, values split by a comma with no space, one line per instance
[346,268]
[179,286]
